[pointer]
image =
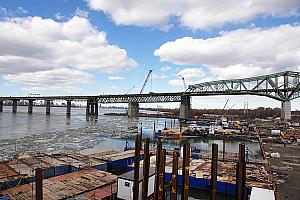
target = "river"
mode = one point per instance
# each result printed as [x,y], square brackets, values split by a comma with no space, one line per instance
[22,132]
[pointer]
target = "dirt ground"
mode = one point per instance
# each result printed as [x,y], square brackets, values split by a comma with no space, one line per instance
[286,169]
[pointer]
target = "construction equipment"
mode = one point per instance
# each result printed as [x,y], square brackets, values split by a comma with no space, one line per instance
[147,78]
[225,106]
[184,83]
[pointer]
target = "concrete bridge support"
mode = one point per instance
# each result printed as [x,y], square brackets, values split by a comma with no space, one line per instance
[69,103]
[1,105]
[30,106]
[133,109]
[15,106]
[185,107]
[92,108]
[286,110]
[48,107]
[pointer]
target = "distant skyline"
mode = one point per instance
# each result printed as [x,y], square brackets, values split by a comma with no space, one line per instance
[90,47]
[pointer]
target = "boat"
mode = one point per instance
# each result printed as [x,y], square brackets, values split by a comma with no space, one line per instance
[168,133]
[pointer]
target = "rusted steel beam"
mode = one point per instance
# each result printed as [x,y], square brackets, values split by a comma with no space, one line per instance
[185,171]
[214,165]
[39,184]
[158,156]
[137,157]
[241,174]
[174,185]
[161,181]
[146,169]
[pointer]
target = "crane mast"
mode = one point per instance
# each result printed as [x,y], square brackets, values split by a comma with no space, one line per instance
[147,78]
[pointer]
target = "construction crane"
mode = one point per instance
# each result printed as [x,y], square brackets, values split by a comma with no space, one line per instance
[225,106]
[184,83]
[147,78]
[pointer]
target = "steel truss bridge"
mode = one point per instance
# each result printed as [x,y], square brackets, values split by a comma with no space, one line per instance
[283,86]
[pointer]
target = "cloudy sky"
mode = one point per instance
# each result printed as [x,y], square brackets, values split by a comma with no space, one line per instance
[71,47]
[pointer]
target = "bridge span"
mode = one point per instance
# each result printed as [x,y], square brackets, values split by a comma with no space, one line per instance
[282,86]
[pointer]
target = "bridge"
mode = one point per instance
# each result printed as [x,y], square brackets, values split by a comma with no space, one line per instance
[282,86]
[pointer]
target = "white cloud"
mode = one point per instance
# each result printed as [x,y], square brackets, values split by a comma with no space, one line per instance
[199,14]
[33,44]
[81,13]
[165,68]
[57,79]
[58,16]
[240,52]
[115,78]
[209,14]
[159,76]
[189,73]
[21,10]
[140,13]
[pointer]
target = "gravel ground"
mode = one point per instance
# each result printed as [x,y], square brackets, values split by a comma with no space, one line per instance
[286,169]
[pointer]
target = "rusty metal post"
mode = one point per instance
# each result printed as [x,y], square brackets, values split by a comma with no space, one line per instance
[185,171]
[137,167]
[161,182]
[241,174]
[214,165]
[39,184]
[146,166]
[174,185]
[158,156]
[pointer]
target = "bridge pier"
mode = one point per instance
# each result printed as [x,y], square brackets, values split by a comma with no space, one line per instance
[48,107]
[185,107]
[69,108]
[1,105]
[15,106]
[286,110]
[133,109]
[30,106]
[92,107]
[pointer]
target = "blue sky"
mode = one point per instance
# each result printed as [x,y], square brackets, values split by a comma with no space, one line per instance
[57,47]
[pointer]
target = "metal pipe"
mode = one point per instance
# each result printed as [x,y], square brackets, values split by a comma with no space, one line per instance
[146,166]
[214,165]
[158,156]
[174,186]
[39,184]
[161,182]
[185,171]
[241,174]
[137,167]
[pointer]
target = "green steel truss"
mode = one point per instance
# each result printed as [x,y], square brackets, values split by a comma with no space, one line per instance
[283,86]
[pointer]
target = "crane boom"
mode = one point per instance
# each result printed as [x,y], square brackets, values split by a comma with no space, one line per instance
[147,78]
[184,83]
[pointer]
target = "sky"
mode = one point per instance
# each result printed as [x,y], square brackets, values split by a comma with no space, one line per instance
[91,47]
